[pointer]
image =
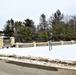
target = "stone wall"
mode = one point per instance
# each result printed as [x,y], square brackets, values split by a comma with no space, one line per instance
[1,42]
[12,41]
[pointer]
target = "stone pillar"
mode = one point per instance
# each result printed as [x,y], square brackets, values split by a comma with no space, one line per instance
[47,43]
[17,45]
[1,42]
[34,43]
[61,42]
[72,41]
[12,41]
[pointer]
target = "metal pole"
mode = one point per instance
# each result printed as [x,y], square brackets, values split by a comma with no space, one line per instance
[50,42]
[50,45]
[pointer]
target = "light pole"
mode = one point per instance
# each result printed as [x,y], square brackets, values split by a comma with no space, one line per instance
[50,42]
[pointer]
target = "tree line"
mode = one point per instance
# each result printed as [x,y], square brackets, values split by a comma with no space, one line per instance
[57,27]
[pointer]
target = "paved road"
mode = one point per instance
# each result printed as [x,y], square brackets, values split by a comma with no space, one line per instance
[14,68]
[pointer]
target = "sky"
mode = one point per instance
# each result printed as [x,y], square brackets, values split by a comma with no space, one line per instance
[32,9]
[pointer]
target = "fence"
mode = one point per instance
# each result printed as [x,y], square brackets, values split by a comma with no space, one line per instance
[34,44]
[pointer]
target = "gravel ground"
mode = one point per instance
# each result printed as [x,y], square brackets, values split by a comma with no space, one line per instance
[16,68]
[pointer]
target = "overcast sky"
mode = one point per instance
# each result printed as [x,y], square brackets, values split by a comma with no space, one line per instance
[32,9]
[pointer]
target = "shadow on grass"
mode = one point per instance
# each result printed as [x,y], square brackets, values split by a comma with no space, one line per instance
[33,66]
